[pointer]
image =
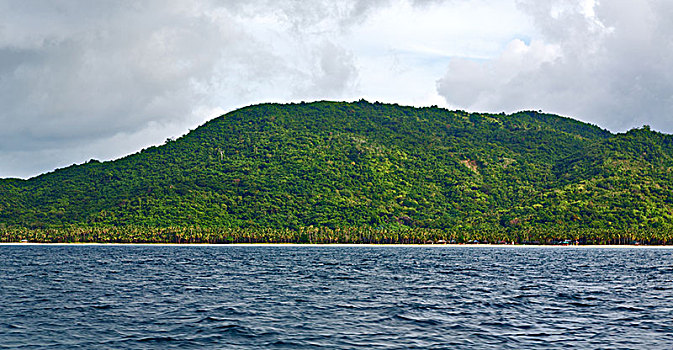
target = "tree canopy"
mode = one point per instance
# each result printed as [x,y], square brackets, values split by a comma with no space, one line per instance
[338,165]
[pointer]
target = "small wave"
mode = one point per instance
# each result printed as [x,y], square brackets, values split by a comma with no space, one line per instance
[226,326]
[156,339]
[629,308]
[14,326]
[580,304]
[426,321]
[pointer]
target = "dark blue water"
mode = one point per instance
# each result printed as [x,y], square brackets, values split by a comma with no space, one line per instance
[233,297]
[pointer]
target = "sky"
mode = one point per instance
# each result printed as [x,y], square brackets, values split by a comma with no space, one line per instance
[82,79]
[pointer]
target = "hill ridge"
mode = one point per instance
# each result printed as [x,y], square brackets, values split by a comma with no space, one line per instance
[339,164]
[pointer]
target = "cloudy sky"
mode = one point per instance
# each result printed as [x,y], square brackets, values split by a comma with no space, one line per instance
[82,79]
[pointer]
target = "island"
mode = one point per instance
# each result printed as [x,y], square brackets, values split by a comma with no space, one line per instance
[361,172]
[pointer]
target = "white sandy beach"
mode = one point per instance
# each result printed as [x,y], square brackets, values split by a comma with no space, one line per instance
[436,246]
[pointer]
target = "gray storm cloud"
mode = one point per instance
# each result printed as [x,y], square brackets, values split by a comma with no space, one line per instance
[85,79]
[605,62]
[98,79]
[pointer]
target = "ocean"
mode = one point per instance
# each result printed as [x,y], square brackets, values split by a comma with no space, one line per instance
[334,297]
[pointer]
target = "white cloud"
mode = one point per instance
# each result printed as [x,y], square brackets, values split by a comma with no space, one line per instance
[494,84]
[402,49]
[87,79]
[600,62]
[125,75]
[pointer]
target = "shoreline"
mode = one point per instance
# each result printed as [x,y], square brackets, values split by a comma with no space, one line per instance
[612,246]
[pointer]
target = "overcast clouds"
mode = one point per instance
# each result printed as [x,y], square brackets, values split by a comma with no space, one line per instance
[101,79]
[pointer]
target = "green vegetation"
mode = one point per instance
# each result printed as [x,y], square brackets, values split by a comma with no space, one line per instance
[361,172]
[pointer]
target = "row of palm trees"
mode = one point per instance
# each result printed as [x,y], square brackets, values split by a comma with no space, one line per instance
[326,235]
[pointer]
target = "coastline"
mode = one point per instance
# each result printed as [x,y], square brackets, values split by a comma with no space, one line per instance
[351,245]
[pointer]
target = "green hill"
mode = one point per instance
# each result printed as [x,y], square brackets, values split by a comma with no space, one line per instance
[346,165]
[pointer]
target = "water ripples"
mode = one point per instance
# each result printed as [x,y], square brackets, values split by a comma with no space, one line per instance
[288,297]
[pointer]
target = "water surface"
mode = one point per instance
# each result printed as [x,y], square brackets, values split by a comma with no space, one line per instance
[294,297]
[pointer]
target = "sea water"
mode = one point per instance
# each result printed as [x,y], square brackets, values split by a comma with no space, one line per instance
[334,297]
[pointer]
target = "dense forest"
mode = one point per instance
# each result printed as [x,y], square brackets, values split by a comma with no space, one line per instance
[361,172]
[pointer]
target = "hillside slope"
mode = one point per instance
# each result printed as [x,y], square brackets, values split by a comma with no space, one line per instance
[333,164]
